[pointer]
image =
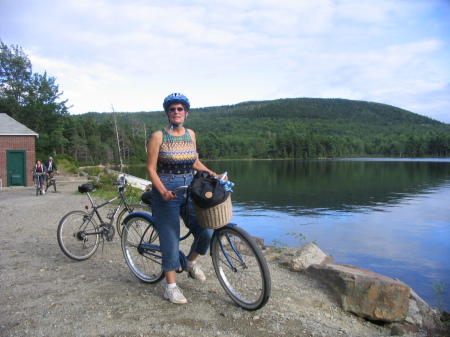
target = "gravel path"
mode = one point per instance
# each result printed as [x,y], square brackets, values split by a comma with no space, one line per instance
[44,293]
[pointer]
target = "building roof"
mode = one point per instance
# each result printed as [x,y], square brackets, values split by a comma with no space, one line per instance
[10,127]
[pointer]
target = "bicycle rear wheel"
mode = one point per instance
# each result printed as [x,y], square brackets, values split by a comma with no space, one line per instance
[241,267]
[126,211]
[78,235]
[140,247]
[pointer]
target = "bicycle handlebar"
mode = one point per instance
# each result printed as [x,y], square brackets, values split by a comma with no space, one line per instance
[179,188]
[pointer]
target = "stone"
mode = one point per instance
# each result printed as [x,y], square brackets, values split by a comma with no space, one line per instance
[259,242]
[365,293]
[400,330]
[420,313]
[300,258]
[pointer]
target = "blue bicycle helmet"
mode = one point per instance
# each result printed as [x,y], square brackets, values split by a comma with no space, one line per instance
[176,98]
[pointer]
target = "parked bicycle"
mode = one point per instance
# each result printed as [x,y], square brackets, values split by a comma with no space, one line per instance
[238,261]
[79,233]
[50,181]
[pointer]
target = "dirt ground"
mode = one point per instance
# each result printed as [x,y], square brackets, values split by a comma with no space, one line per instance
[44,293]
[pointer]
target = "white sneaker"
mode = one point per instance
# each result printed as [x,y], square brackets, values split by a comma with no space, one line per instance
[195,272]
[43,192]
[175,295]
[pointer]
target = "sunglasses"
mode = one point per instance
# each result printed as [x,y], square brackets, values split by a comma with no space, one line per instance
[177,109]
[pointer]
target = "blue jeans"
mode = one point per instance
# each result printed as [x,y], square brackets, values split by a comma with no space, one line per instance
[40,177]
[167,221]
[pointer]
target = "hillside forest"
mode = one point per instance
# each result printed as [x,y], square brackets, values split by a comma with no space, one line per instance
[301,128]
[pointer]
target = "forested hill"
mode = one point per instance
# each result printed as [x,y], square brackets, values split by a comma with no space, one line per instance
[284,128]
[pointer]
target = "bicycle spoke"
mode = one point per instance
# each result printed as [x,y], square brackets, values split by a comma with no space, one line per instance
[78,235]
[140,247]
[126,211]
[241,268]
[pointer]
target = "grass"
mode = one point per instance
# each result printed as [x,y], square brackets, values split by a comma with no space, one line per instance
[439,290]
[67,167]
[281,246]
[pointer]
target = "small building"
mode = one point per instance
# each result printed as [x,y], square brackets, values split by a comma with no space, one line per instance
[17,152]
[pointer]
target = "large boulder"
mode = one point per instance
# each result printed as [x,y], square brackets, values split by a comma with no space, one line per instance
[365,293]
[421,314]
[300,258]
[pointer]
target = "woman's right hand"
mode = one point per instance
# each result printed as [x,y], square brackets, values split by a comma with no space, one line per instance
[168,195]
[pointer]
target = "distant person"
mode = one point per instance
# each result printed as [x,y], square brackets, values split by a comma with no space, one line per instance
[172,155]
[50,165]
[39,171]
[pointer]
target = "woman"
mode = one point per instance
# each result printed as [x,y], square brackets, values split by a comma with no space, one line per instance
[39,168]
[172,156]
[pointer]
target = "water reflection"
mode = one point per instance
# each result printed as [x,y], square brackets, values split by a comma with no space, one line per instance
[388,216]
[318,187]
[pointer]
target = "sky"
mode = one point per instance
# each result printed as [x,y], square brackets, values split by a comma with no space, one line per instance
[128,55]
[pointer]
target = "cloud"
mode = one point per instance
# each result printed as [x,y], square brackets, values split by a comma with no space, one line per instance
[135,53]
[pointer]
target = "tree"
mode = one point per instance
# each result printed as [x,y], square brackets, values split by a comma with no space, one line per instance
[118,138]
[31,99]
[15,74]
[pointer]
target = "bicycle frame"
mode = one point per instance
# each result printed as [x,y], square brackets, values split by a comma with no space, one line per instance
[230,242]
[50,177]
[150,249]
[111,216]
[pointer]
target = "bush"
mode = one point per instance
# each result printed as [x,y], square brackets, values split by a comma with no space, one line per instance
[106,181]
[106,189]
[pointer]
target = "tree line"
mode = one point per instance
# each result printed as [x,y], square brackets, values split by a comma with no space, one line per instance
[301,128]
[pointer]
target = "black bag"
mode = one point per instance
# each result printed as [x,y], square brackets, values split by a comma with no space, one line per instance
[206,191]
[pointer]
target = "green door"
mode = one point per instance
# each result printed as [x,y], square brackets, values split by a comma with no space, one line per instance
[16,164]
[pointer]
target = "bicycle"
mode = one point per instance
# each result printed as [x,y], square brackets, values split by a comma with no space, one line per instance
[78,232]
[238,261]
[50,181]
[38,184]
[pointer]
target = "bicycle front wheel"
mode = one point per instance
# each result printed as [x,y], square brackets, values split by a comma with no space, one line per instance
[128,210]
[78,235]
[241,267]
[140,247]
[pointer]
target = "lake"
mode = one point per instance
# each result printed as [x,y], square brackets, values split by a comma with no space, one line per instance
[390,216]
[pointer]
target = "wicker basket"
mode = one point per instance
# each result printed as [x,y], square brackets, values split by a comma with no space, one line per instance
[214,217]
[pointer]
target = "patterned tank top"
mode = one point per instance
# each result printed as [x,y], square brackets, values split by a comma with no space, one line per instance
[177,154]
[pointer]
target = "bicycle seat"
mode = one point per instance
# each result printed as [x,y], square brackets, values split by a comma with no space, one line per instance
[86,188]
[146,197]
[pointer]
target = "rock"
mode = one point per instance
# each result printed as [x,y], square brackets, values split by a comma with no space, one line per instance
[400,330]
[259,242]
[420,313]
[365,293]
[300,258]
